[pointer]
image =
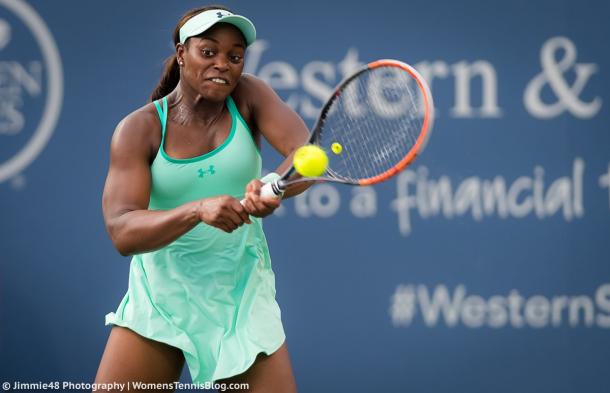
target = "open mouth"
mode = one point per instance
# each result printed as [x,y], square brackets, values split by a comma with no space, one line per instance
[219,81]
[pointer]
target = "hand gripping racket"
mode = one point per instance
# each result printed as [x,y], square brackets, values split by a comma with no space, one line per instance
[373,126]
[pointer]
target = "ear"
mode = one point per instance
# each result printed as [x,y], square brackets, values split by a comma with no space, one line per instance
[180,51]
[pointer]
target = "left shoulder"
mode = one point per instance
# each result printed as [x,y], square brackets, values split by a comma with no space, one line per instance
[249,93]
[249,84]
[268,115]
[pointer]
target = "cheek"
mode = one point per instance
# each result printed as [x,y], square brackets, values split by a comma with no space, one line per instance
[237,69]
[195,71]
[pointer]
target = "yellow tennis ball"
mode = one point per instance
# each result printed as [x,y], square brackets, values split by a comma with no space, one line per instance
[310,161]
[336,148]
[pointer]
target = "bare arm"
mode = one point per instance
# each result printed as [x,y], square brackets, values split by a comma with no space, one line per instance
[281,126]
[132,227]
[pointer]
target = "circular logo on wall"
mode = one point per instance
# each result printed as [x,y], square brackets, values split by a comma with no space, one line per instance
[31,87]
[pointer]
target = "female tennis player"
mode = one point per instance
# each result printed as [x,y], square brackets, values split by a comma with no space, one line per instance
[201,287]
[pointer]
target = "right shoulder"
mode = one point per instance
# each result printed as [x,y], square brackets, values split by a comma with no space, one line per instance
[139,132]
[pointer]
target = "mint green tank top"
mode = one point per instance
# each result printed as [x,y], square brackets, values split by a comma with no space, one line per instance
[209,293]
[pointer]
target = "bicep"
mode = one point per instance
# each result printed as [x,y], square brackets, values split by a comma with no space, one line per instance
[128,182]
[281,126]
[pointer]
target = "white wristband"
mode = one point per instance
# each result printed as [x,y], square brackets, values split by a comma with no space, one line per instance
[270,177]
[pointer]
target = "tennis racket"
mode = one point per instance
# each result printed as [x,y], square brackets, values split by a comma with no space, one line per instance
[377,121]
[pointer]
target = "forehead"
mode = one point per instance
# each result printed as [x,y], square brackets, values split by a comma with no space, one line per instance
[224,33]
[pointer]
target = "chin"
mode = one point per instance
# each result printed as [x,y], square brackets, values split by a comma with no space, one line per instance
[216,95]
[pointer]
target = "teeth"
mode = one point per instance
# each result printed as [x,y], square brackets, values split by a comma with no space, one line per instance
[218,80]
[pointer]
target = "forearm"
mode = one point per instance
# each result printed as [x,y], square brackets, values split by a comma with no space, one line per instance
[146,230]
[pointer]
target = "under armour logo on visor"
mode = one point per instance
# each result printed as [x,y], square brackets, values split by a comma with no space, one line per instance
[209,171]
[220,14]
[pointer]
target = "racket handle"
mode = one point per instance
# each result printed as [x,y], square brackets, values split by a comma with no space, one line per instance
[269,190]
[272,190]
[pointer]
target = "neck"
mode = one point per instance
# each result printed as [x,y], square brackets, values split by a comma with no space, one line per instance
[190,107]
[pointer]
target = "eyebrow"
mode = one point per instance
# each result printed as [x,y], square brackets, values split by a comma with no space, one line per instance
[216,41]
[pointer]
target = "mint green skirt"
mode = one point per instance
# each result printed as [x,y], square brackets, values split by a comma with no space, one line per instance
[213,300]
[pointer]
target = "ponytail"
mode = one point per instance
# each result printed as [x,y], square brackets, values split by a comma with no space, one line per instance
[169,79]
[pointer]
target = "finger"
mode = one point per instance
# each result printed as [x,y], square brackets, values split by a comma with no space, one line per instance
[254,186]
[260,207]
[234,217]
[254,203]
[229,225]
[248,207]
[233,220]
[222,226]
[250,196]
[242,212]
[271,202]
[254,192]
[245,203]
[256,211]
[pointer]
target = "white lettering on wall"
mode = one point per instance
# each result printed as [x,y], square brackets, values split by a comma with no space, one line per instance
[526,195]
[567,96]
[440,306]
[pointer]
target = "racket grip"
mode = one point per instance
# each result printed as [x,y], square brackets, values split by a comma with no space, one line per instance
[269,190]
[272,190]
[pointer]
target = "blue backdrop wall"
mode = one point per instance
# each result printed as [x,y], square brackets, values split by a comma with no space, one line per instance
[485,267]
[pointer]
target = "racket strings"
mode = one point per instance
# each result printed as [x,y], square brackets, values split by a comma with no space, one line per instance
[377,120]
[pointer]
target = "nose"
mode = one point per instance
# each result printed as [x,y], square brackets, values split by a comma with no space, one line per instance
[221,64]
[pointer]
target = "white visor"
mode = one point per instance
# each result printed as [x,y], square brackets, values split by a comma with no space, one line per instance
[203,21]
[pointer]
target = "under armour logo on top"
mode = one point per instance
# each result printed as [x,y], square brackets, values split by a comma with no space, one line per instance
[220,14]
[209,171]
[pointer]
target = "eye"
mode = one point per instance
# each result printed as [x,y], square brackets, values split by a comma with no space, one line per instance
[207,52]
[236,59]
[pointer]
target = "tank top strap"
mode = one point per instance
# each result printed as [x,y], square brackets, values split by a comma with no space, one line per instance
[162,111]
[236,115]
[232,107]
